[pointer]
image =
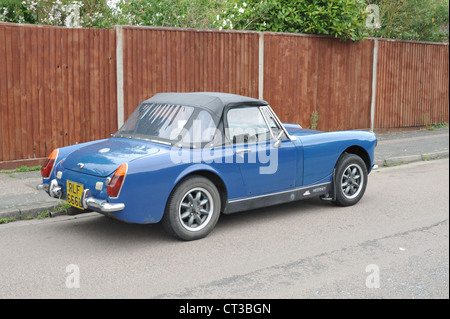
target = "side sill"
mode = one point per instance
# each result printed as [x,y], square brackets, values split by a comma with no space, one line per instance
[238,205]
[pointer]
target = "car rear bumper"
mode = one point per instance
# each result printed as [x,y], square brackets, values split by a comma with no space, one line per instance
[89,202]
[103,206]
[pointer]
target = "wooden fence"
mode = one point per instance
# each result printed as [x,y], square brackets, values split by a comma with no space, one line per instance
[303,74]
[59,86]
[174,60]
[412,84]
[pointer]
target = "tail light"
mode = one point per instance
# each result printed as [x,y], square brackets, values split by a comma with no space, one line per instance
[114,186]
[47,168]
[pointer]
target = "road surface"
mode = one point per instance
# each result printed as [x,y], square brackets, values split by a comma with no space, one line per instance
[393,244]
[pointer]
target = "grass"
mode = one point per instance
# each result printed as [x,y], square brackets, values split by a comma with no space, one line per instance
[21,169]
[46,213]
[314,119]
[7,220]
[435,126]
[27,169]
[394,164]
[62,206]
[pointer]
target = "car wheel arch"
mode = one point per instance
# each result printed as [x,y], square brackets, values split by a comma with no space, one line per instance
[349,179]
[356,150]
[213,177]
[359,151]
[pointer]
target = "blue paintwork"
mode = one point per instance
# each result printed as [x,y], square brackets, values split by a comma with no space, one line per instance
[152,172]
[103,157]
[321,150]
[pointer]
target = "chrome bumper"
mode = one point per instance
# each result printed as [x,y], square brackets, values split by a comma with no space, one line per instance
[103,205]
[93,203]
[42,187]
[53,189]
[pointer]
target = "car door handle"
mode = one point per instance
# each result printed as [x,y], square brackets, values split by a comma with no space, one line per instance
[241,152]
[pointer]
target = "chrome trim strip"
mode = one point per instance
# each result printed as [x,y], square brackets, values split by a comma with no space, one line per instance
[84,197]
[243,150]
[277,193]
[159,142]
[267,122]
[292,138]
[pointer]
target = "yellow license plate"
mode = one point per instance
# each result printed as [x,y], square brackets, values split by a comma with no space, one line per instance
[74,194]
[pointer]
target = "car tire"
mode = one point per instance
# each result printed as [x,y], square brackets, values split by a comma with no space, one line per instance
[193,209]
[350,179]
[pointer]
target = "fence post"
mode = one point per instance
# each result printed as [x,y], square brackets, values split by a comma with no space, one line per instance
[374,83]
[261,66]
[119,75]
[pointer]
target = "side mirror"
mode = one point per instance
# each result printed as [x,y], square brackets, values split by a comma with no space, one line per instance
[278,141]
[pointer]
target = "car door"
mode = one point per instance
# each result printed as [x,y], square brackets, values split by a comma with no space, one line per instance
[266,166]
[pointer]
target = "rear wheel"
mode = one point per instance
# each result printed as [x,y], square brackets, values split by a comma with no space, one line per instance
[351,179]
[193,209]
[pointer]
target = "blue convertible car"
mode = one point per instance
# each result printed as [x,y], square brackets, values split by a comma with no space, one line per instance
[185,158]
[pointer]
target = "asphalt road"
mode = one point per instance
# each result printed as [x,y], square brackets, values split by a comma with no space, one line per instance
[392,244]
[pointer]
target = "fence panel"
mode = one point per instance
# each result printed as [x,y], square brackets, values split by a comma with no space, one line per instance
[303,74]
[57,87]
[185,60]
[412,84]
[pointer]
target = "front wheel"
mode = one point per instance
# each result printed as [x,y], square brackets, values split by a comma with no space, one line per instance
[351,179]
[193,209]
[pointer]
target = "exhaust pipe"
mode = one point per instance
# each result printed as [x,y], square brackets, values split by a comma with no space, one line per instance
[58,213]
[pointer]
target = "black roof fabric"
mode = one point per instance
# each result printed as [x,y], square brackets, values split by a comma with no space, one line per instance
[213,101]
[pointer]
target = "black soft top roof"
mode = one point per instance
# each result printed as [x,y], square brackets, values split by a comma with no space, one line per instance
[212,101]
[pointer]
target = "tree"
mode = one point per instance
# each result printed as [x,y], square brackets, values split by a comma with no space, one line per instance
[170,13]
[86,13]
[107,13]
[420,20]
[339,18]
[15,11]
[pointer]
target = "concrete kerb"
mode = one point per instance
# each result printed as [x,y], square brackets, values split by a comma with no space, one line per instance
[435,155]
[32,211]
[405,159]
